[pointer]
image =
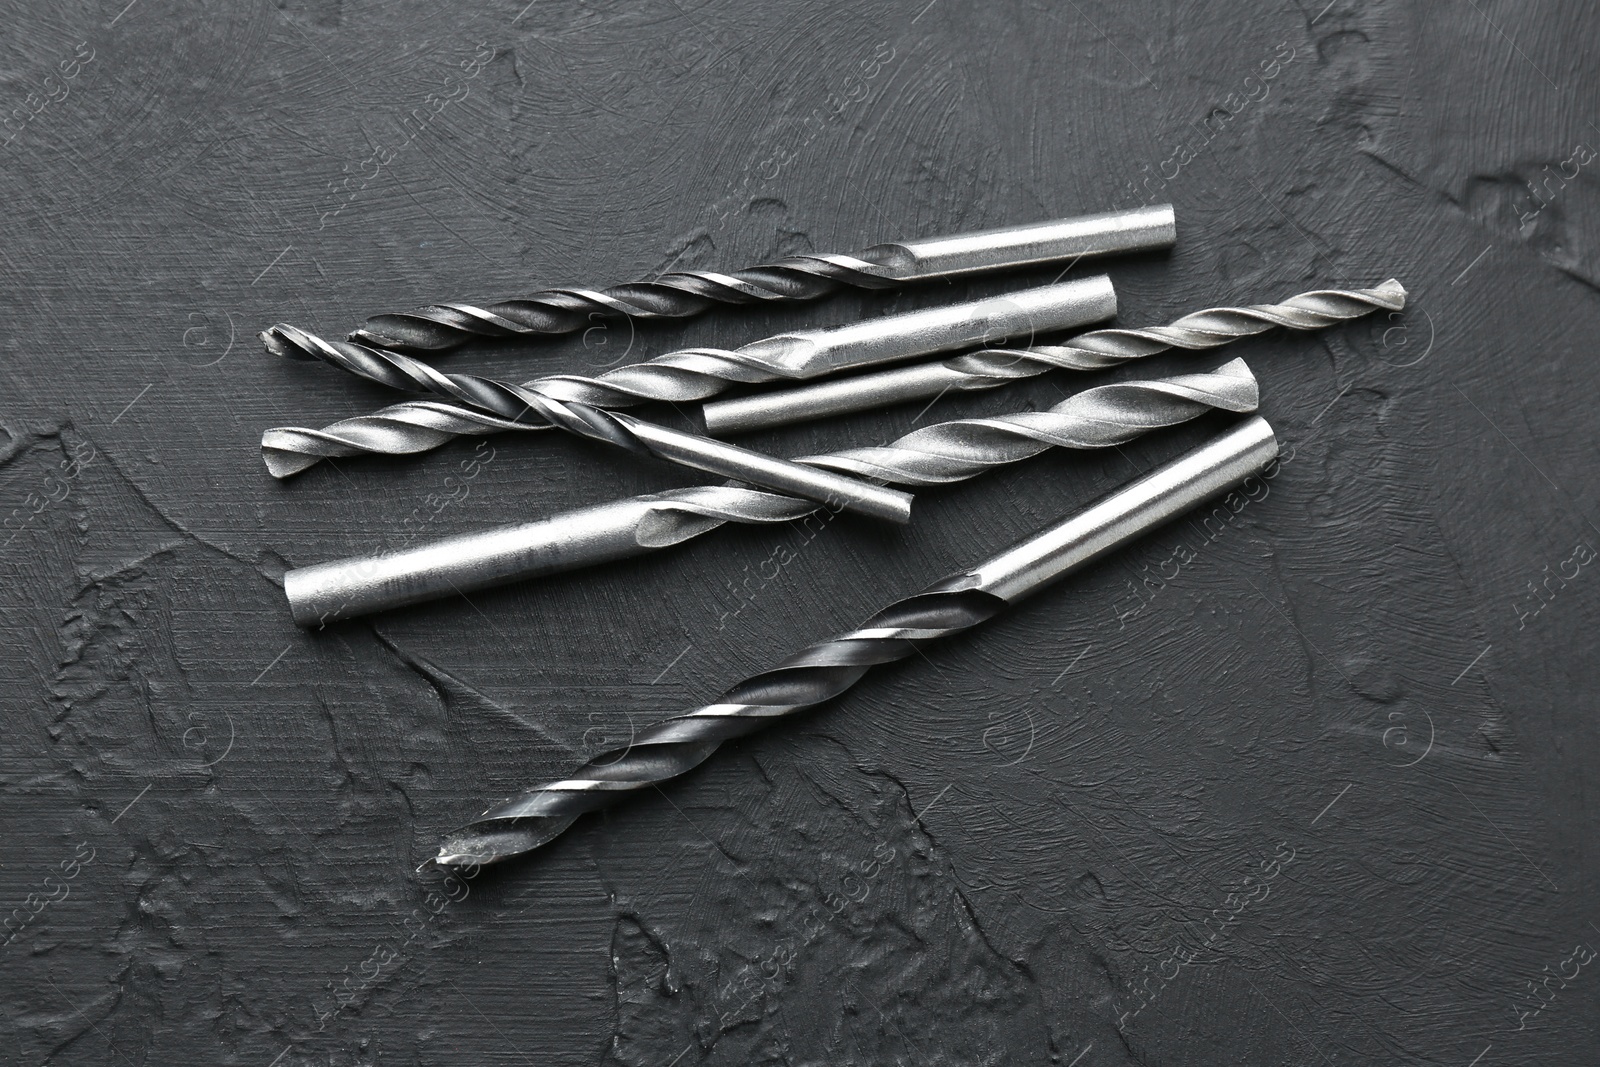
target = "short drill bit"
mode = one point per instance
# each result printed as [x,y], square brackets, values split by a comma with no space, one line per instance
[1094,350]
[439,327]
[949,452]
[676,377]
[828,668]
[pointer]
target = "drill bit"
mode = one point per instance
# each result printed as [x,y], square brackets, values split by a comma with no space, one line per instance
[1095,418]
[397,430]
[828,668]
[1095,350]
[676,377]
[440,327]
[936,455]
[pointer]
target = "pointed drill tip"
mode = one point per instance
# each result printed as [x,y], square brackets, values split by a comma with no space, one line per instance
[284,462]
[407,333]
[283,467]
[1238,368]
[451,858]
[493,839]
[468,848]
[279,340]
[1393,286]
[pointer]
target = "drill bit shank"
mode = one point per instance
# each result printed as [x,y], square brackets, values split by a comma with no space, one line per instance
[440,327]
[828,668]
[1095,350]
[937,455]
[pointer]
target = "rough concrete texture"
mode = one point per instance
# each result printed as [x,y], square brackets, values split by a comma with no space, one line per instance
[1303,785]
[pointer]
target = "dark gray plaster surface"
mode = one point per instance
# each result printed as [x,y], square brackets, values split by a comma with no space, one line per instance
[1320,798]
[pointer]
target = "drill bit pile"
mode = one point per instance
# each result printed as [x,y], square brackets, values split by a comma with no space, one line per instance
[569,401]
[420,426]
[808,368]
[1100,417]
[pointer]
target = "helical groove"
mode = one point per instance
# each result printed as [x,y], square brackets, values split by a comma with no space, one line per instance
[675,746]
[441,327]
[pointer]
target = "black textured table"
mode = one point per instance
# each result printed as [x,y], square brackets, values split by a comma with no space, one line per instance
[1301,783]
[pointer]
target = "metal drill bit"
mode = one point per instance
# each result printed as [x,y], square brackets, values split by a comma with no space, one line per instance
[439,327]
[991,368]
[677,377]
[397,430]
[828,668]
[1095,418]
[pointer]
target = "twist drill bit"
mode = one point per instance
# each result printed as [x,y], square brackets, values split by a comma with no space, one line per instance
[1095,350]
[516,403]
[1095,418]
[397,430]
[828,668]
[439,327]
[676,377]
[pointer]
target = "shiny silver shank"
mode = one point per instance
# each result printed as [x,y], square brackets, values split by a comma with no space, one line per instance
[1019,315]
[838,491]
[841,396]
[1158,497]
[1138,230]
[343,589]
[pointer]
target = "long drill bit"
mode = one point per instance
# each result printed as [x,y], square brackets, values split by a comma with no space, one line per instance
[954,451]
[1094,350]
[828,668]
[439,327]
[676,377]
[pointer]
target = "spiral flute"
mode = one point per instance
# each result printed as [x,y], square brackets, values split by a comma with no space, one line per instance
[1095,418]
[828,668]
[1095,350]
[676,377]
[440,327]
